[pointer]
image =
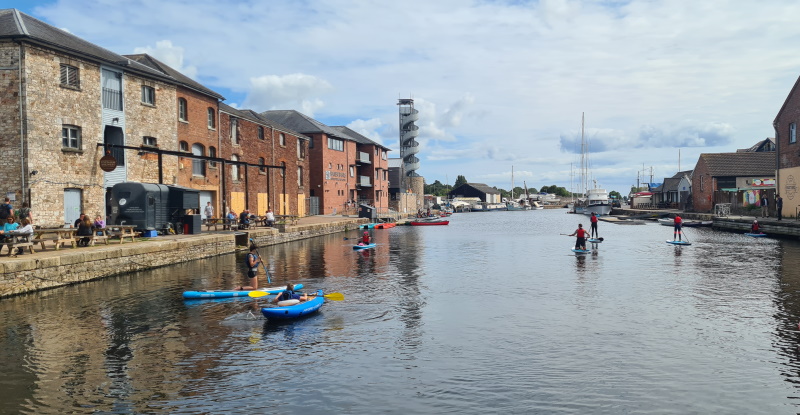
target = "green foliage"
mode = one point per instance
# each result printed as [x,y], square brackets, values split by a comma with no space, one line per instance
[614,194]
[459,181]
[437,189]
[556,190]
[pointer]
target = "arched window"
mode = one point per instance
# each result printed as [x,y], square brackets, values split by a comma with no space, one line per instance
[212,152]
[261,163]
[198,166]
[212,118]
[234,168]
[282,139]
[182,110]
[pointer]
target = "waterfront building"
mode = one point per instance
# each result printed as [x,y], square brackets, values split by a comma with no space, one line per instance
[725,177]
[277,172]
[788,150]
[195,114]
[372,170]
[64,96]
[332,156]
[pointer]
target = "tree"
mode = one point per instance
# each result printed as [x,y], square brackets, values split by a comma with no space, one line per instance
[614,194]
[437,189]
[459,181]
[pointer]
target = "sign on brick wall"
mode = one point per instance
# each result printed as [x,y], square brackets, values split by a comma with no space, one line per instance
[108,163]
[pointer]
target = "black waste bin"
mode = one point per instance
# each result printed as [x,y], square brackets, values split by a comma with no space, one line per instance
[367,211]
[192,224]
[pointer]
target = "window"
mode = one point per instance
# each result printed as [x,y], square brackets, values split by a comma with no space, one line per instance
[69,76]
[300,149]
[183,146]
[260,132]
[148,95]
[383,155]
[212,119]
[262,163]
[283,169]
[212,152]
[352,172]
[702,183]
[300,176]
[310,142]
[71,136]
[792,133]
[282,139]
[198,166]
[150,141]
[335,144]
[234,168]
[182,107]
[234,131]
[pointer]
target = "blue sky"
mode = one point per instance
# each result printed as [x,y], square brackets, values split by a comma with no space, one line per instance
[498,83]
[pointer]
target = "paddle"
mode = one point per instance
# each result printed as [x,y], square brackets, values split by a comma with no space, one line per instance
[269,276]
[331,296]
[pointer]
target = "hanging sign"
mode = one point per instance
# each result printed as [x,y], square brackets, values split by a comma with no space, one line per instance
[108,163]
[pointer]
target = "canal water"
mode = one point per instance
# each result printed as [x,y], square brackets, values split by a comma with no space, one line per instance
[492,313]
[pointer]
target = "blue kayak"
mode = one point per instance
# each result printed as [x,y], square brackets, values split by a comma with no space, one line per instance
[756,235]
[295,311]
[210,294]
[367,226]
[679,242]
[368,246]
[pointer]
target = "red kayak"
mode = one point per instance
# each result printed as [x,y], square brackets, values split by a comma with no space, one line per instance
[430,222]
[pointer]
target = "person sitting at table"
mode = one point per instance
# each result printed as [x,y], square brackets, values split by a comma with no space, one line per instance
[9,226]
[244,219]
[85,229]
[269,218]
[99,223]
[79,220]
[26,229]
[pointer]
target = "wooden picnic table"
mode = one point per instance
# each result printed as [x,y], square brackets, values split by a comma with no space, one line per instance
[59,236]
[15,241]
[124,231]
[224,222]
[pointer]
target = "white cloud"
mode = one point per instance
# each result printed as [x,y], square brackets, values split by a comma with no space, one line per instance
[172,55]
[496,82]
[368,128]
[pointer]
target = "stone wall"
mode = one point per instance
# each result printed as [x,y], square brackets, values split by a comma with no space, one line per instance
[10,154]
[29,273]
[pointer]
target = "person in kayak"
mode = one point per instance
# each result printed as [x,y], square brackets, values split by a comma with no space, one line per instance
[580,240]
[754,229]
[678,222]
[365,239]
[251,261]
[289,294]
[593,229]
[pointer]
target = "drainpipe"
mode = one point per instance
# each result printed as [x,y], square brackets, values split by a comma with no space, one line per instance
[21,129]
[777,158]
[221,188]
[269,176]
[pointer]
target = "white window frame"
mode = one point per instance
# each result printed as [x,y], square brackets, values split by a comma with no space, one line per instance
[212,118]
[335,144]
[148,95]
[282,139]
[71,136]
[183,109]
[198,166]
[149,141]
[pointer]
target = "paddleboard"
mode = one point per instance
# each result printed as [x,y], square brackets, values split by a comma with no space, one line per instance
[581,251]
[357,247]
[679,242]
[210,294]
[756,235]
[595,240]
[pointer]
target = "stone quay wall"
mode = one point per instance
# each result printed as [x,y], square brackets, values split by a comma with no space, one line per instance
[29,273]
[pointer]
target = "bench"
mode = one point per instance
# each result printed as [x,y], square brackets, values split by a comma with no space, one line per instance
[59,236]
[99,235]
[287,219]
[225,223]
[14,242]
[124,231]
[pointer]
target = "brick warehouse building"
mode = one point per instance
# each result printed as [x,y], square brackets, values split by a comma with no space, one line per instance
[196,115]
[61,97]
[330,153]
[282,181]
[788,151]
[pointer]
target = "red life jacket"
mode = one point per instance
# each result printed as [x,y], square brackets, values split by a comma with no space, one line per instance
[581,233]
[678,220]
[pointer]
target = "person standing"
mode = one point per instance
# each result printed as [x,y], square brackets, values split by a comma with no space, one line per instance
[678,222]
[24,213]
[209,211]
[251,261]
[6,209]
[580,237]
[764,205]
[593,230]
[779,206]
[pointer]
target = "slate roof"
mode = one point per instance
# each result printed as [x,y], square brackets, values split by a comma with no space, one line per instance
[480,187]
[20,26]
[302,123]
[670,184]
[358,138]
[767,144]
[740,164]
[182,79]
[255,117]
[680,174]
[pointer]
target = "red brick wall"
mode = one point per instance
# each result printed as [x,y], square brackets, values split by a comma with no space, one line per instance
[789,153]
[195,130]
[330,176]
[378,194]
[702,187]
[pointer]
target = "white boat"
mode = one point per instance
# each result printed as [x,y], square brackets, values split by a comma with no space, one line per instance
[512,204]
[597,201]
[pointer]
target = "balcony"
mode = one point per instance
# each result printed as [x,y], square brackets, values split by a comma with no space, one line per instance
[363,158]
[364,181]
